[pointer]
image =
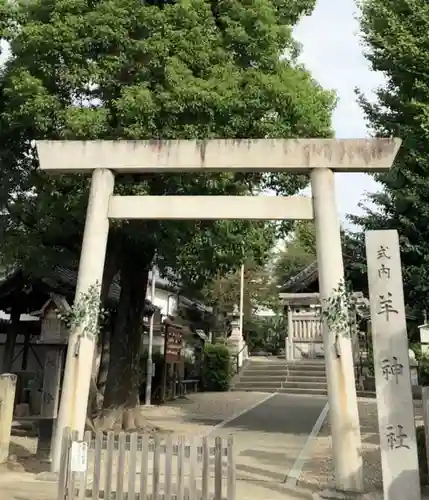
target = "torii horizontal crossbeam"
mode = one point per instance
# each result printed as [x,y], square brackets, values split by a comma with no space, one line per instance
[210,207]
[269,155]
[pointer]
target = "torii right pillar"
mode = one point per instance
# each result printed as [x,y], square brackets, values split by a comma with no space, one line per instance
[343,407]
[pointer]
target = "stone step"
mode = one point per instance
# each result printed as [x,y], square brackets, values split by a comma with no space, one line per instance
[304,385]
[303,373]
[266,373]
[303,362]
[306,378]
[260,389]
[245,377]
[306,366]
[266,366]
[249,386]
[294,390]
[290,366]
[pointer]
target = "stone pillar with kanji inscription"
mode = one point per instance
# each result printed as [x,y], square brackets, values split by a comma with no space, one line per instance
[391,366]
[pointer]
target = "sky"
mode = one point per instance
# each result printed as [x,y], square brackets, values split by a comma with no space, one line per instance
[332,52]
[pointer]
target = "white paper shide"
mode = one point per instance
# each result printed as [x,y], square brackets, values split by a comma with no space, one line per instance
[79,456]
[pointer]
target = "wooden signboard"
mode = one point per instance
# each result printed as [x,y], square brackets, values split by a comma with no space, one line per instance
[173,344]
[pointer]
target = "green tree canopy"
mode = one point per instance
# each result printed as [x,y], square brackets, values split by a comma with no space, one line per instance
[396,38]
[111,69]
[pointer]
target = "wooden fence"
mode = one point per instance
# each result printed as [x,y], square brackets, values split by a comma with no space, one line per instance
[136,467]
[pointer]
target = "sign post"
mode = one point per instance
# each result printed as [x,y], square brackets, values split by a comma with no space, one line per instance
[391,366]
[173,339]
[173,344]
[79,456]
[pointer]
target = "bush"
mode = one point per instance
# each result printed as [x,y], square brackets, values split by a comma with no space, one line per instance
[421,451]
[217,370]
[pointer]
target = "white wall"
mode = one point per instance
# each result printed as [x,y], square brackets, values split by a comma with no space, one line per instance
[165,300]
[24,317]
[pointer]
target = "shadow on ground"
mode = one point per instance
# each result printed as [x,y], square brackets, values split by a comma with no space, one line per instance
[271,490]
[22,460]
[319,474]
[262,475]
[281,413]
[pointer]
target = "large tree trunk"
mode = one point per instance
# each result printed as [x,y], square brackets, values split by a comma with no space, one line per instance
[103,368]
[121,398]
[96,394]
[110,270]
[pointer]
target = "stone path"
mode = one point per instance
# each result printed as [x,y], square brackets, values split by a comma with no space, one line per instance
[268,441]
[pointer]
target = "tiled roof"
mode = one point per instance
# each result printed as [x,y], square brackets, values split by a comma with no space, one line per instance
[65,278]
[303,279]
[68,277]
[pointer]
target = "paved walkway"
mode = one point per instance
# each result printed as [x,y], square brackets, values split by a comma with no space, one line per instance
[270,432]
[269,440]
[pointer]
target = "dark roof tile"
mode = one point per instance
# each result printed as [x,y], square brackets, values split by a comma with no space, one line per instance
[303,279]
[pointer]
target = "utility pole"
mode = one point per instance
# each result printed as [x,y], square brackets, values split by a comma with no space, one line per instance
[149,367]
[241,299]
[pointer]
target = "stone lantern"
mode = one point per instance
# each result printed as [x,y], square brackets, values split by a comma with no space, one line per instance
[236,341]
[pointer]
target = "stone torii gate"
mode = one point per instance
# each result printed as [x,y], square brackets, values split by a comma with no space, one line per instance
[318,157]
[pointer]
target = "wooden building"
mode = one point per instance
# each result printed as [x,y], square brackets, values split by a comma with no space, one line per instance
[29,305]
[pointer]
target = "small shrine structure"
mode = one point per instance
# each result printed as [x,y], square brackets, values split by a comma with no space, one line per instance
[302,307]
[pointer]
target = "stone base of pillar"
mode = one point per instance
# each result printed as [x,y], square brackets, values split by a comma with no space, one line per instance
[44,442]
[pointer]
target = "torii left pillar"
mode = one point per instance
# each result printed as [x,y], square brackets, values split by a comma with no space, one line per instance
[80,352]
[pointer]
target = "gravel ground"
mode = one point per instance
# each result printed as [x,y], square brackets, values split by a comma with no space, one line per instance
[196,414]
[318,471]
